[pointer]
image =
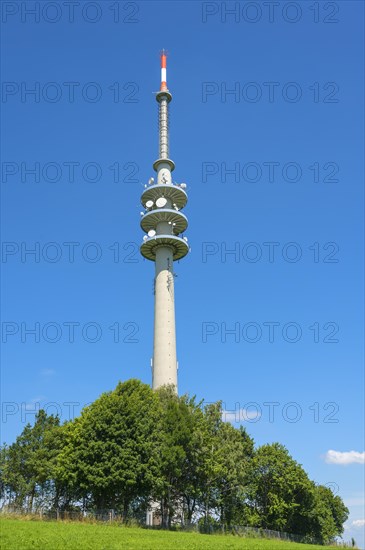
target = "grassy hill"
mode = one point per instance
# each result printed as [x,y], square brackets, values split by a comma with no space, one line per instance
[24,534]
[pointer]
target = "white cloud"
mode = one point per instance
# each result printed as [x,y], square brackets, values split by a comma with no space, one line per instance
[240,415]
[344,458]
[358,523]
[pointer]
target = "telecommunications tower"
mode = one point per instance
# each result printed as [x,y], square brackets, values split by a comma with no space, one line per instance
[163,222]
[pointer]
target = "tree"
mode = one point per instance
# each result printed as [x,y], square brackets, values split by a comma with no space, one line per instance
[236,452]
[280,493]
[27,463]
[109,456]
[210,467]
[178,453]
[224,465]
[327,515]
[5,493]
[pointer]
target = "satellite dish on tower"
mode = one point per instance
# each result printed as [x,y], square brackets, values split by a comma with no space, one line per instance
[151,233]
[149,204]
[161,202]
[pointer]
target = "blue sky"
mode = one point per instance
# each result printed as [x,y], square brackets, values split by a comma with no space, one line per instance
[274,173]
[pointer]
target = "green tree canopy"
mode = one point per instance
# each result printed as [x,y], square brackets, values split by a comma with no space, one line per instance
[27,463]
[133,447]
[109,456]
[280,492]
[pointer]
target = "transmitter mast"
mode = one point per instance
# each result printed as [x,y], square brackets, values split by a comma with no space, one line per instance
[163,222]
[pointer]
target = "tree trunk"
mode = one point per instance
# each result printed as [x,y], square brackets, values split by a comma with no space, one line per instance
[56,500]
[191,510]
[169,517]
[32,495]
[165,513]
[125,509]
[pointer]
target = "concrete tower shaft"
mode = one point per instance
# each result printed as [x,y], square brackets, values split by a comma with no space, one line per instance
[163,222]
[164,342]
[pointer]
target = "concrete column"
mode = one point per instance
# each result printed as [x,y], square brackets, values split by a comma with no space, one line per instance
[164,228]
[164,346]
[164,173]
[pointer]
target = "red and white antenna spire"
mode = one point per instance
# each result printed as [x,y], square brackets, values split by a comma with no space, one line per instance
[163,71]
[164,97]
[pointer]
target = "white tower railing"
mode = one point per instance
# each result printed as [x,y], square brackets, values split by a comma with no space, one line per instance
[163,222]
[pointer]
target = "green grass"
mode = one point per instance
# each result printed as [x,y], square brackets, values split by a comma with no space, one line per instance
[21,534]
